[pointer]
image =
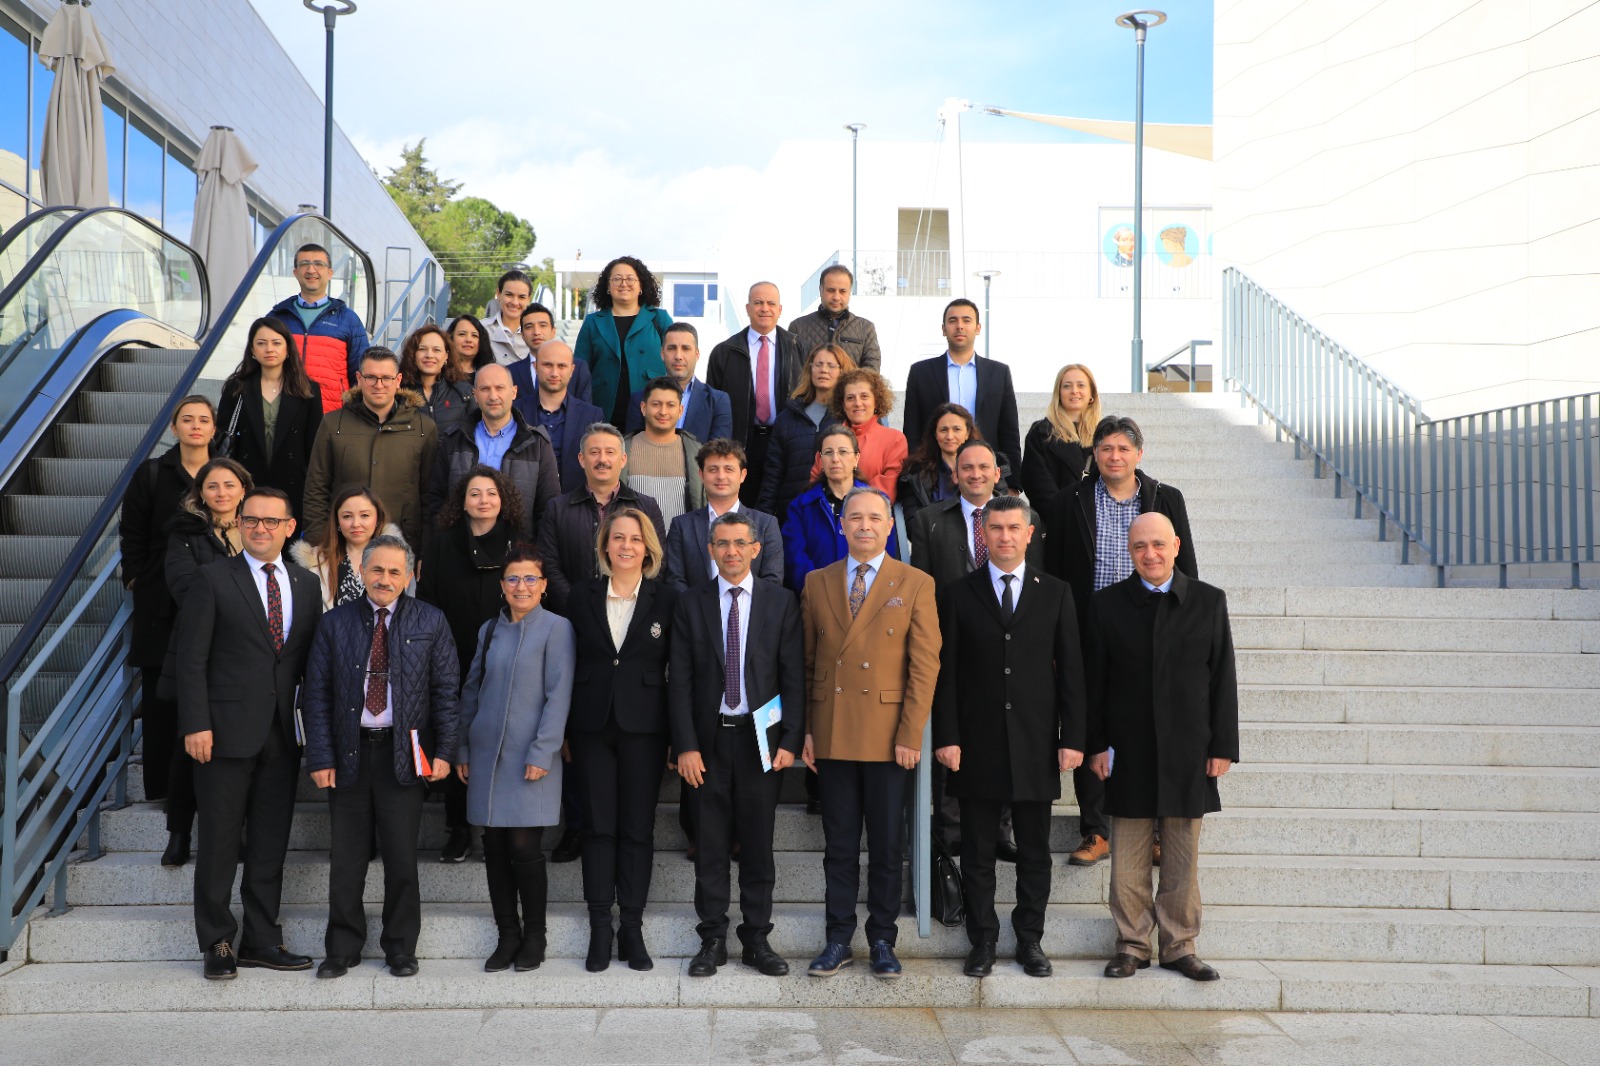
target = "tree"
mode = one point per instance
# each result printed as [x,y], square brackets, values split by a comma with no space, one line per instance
[471,238]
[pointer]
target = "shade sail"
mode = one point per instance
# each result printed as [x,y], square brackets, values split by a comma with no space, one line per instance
[222,232]
[1169,137]
[72,163]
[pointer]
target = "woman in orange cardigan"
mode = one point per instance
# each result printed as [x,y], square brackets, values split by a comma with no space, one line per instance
[859,399]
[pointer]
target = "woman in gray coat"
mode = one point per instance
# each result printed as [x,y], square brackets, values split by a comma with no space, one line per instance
[513,715]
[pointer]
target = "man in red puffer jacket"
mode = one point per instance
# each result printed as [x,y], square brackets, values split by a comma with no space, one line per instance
[332,337]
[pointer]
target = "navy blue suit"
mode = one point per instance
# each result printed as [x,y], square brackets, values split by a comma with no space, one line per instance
[708,413]
[580,415]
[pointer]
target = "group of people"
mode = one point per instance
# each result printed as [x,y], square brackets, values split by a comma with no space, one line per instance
[533,577]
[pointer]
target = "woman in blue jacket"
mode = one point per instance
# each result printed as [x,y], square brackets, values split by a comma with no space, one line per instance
[621,342]
[812,536]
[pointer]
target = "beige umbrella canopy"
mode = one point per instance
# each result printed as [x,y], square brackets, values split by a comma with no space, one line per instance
[221,215]
[73,163]
[1167,136]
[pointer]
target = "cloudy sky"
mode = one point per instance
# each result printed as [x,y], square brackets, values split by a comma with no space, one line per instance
[640,123]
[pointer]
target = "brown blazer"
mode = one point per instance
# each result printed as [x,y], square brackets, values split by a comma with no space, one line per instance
[871,678]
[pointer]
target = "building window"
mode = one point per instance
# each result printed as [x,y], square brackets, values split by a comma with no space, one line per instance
[13,123]
[116,133]
[922,259]
[688,301]
[178,197]
[145,170]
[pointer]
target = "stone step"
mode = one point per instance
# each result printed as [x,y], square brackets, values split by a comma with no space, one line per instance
[1450,604]
[1219,525]
[1529,746]
[1290,555]
[135,878]
[1386,669]
[1413,787]
[1414,634]
[1429,988]
[1177,466]
[1081,931]
[1234,576]
[1225,488]
[1399,705]
[1292,508]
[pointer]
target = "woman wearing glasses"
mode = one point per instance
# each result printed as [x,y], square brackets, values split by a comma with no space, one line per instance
[621,342]
[618,730]
[512,715]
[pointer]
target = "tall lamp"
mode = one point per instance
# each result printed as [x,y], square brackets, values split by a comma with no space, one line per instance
[855,129]
[330,10]
[1138,22]
[987,276]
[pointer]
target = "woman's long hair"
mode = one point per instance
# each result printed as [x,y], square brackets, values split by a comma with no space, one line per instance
[804,390]
[296,382]
[454,511]
[194,499]
[649,287]
[333,544]
[410,374]
[1062,427]
[926,460]
[485,354]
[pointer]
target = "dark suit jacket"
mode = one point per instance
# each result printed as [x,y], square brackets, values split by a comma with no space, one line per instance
[230,679]
[688,562]
[630,682]
[939,542]
[1010,693]
[709,412]
[731,368]
[1164,694]
[774,664]
[581,384]
[581,414]
[928,386]
[1070,518]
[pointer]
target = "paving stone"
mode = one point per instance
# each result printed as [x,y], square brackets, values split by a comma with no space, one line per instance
[1418,988]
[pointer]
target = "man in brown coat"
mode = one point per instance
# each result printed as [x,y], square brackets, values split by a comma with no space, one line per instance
[872,657]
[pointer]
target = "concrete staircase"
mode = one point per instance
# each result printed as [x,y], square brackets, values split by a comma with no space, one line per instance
[1415,826]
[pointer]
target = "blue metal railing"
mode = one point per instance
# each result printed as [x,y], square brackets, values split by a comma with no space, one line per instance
[1498,488]
[1188,347]
[418,303]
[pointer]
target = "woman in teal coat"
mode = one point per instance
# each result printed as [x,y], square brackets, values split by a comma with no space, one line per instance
[621,342]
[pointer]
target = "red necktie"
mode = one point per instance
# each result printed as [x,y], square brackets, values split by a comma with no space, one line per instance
[980,547]
[378,666]
[763,388]
[274,606]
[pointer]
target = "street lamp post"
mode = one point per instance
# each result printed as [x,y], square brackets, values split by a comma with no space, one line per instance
[330,10]
[987,276]
[855,129]
[1138,22]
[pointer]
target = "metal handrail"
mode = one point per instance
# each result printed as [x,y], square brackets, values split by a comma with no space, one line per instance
[1189,347]
[1493,488]
[427,309]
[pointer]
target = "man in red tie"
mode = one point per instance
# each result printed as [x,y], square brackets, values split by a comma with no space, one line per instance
[380,715]
[758,368]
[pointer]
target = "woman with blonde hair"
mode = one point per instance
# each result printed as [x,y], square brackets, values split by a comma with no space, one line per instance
[1060,446]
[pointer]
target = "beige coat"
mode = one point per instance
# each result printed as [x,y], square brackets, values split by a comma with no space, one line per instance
[871,678]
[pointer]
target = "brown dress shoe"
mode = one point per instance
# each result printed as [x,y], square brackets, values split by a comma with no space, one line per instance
[1192,968]
[1124,965]
[1094,848]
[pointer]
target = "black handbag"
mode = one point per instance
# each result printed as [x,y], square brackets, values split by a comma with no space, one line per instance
[228,445]
[948,905]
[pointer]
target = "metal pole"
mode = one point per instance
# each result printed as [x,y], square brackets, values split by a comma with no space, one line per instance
[987,276]
[855,129]
[330,10]
[1139,22]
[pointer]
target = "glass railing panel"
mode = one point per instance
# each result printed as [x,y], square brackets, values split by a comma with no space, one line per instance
[352,283]
[19,244]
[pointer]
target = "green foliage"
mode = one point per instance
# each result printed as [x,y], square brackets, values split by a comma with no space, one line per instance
[472,239]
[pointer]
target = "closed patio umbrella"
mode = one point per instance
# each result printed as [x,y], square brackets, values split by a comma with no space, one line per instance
[221,215]
[73,162]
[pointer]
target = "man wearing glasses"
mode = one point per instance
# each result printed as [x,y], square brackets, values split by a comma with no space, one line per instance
[331,336]
[379,438]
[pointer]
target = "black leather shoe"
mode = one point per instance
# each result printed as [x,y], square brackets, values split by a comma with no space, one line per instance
[713,953]
[278,958]
[631,949]
[980,961]
[884,962]
[403,965]
[1124,965]
[758,954]
[813,806]
[568,848]
[834,957]
[1033,959]
[221,963]
[1006,851]
[1192,968]
[336,966]
[456,847]
[177,852]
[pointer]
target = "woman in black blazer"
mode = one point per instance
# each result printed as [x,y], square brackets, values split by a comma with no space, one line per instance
[1059,449]
[270,412]
[618,727]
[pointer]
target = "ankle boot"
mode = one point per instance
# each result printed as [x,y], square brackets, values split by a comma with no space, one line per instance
[631,949]
[600,937]
[502,903]
[533,886]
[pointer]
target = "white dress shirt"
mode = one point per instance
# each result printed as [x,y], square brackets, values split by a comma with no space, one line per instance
[712,516]
[754,340]
[966,519]
[995,579]
[724,601]
[619,612]
[281,574]
[851,565]
[386,719]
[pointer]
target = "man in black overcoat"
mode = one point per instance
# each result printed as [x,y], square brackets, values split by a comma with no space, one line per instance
[1163,727]
[1008,720]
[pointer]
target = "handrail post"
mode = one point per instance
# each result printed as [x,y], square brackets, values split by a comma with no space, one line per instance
[922,837]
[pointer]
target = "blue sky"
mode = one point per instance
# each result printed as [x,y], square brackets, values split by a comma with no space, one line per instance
[586,125]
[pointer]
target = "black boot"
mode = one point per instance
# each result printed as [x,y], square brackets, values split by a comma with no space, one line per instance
[599,958]
[630,946]
[502,903]
[177,852]
[533,886]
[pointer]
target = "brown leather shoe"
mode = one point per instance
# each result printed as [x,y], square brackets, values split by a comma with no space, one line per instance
[1124,965]
[1192,968]
[1094,848]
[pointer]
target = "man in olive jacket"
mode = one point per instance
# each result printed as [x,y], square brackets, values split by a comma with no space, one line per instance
[379,439]
[872,656]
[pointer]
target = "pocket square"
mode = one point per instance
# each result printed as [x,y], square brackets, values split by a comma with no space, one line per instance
[896,602]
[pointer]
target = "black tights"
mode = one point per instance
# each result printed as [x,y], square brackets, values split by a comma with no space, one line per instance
[521,843]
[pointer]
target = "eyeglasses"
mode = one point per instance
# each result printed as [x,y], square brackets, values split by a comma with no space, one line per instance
[374,379]
[251,521]
[303,264]
[624,281]
[517,580]
[721,545]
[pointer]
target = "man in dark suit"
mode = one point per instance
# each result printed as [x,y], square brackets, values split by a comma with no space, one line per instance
[1087,547]
[380,714]
[538,329]
[758,368]
[947,543]
[243,635]
[982,386]
[1164,695]
[1008,721]
[555,406]
[722,472]
[707,412]
[736,644]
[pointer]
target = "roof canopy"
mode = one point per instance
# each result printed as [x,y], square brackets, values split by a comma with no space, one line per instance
[1185,140]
